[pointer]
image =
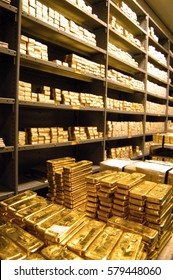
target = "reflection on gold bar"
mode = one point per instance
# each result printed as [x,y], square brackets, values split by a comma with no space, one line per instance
[149,235]
[58,252]
[59,230]
[103,244]
[96,177]
[27,241]
[159,193]
[127,248]
[9,250]
[42,215]
[111,180]
[32,209]
[81,241]
[77,166]
[24,204]
[15,199]
[130,181]
[140,190]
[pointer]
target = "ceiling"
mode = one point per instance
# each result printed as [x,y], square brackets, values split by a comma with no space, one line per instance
[164,10]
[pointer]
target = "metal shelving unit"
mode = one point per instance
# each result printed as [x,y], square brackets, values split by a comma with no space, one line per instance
[16,115]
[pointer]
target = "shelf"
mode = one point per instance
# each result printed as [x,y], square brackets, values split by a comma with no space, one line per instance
[157,62]
[49,33]
[32,185]
[60,144]
[121,87]
[124,66]
[75,13]
[6,149]
[123,43]
[123,137]
[155,115]
[124,112]
[51,67]
[8,7]
[156,96]
[4,193]
[58,106]
[7,100]
[157,79]
[133,27]
[7,51]
[157,44]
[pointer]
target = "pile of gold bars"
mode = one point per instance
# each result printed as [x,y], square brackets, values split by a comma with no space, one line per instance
[55,178]
[75,192]
[93,186]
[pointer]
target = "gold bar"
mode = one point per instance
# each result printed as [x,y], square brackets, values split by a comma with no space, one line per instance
[130,181]
[149,235]
[127,248]
[141,190]
[103,244]
[9,250]
[24,204]
[58,252]
[59,230]
[81,241]
[159,193]
[111,180]
[35,256]
[28,242]
[97,177]
[15,199]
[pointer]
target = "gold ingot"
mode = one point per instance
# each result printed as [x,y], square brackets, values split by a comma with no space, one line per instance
[137,202]
[141,190]
[97,177]
[81,240]
[149,235]
[127,248]
[28,242]
[9,250]
[103,244]
[42,215]
[111,180]
[35,256]
[58,231]
[58,252]
[15,199]
[159,193]
[130,181]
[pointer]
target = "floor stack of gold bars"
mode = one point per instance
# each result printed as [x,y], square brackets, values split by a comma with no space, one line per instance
[32,227]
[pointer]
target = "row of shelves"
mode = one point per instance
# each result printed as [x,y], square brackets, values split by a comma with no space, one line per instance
[120,59]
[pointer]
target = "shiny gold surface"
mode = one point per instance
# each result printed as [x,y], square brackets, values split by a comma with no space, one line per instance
[140,190]
[103,244]
[9,250]
[58,231]
[15,199]
[97,177]
[159,193]
[24,204]
[130,181]
[58,252]
[81,241]
[35,256]
[28,242]
[127,248]
[111,180]
[149,235]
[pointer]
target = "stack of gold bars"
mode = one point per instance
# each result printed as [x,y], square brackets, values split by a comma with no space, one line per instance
[149,235]
[121,194]
[75,192]
[158,211]
[55,178]
[137,200]
[93,186]
[106,192]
